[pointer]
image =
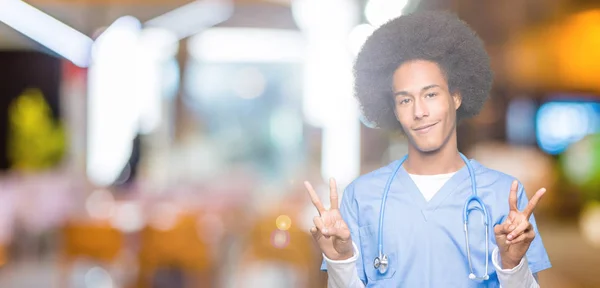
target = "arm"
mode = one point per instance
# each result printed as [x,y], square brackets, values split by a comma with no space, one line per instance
[520,253]
[517,277]
[349,212]
[343,273]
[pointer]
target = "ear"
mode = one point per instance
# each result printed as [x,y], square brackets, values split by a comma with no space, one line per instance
[457,98]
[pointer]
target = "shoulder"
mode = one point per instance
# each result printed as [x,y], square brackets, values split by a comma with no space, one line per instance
[368,184]
[495,182]
[487,176]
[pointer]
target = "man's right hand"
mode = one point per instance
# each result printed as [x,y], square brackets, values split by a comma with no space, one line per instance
[330,231]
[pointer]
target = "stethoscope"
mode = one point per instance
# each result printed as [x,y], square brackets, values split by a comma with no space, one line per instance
[381,262]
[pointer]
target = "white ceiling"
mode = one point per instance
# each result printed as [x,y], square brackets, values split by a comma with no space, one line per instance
[85,18]
[89,18]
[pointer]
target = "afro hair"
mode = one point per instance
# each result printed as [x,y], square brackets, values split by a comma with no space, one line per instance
[437,36]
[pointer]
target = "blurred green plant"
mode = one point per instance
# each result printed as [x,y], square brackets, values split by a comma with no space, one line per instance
[581,165]
[35,140]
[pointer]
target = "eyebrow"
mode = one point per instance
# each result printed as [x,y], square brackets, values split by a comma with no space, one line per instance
[406,93]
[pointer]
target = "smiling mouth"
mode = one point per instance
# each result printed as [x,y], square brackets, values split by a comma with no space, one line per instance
[424,128]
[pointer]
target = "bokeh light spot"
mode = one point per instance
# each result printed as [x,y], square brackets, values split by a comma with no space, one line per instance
[100,204]
[283,222]
[590,217]
[280,239]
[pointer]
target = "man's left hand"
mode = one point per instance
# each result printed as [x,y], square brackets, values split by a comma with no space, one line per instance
[514,236]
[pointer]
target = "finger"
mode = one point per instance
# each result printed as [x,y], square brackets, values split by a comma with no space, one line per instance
[512,197]
[320,225]
[512,217]
[333,195]
[521,228]
[533,202]
[522,238]
[315,233]
[342,231]
[502,229]
[512,220]
[517,240]
[326,231]
[314,198]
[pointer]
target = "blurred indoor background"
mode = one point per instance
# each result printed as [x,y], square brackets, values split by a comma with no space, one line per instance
[163,143]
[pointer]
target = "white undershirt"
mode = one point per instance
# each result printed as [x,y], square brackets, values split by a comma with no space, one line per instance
[344,274]
[429,185]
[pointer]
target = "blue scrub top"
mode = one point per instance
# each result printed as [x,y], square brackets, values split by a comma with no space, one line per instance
[425,241]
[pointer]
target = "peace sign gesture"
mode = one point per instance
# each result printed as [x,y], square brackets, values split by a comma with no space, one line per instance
[330,231]
[516,233]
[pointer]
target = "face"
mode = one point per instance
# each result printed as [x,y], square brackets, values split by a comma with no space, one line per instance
[423,104]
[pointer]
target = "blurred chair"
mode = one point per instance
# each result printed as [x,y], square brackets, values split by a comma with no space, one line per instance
[92,240]
[178,248]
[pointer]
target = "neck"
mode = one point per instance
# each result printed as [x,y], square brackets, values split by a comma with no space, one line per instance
[442,161]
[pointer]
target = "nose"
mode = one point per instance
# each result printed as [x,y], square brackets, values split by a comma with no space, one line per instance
[420,109]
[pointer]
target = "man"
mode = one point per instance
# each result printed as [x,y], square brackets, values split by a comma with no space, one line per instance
[423,73]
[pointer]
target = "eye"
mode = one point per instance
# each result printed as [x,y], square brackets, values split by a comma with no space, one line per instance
[404,101]
[431,95]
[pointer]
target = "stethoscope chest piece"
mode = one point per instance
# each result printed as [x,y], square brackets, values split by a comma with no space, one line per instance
[381,263]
